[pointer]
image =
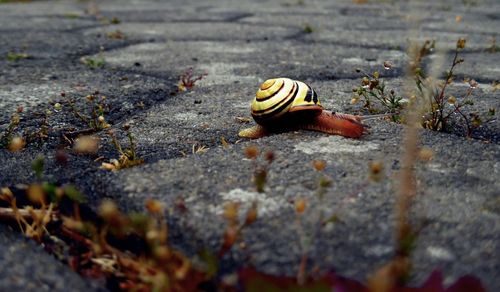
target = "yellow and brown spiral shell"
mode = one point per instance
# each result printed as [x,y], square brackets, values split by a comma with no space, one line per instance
[278,96]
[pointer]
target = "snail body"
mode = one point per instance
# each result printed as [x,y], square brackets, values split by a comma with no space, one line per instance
[283,104]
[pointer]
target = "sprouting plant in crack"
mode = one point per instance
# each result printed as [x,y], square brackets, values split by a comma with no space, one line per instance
[41,133]
[94,115]
[307,28]
[436,114]
[373,87]
[493,47]
[374,92]
[199,149]
[115,35]
[187,79]
[17,56]
[128,156]
[6,136]
[15,136]
[94,62]
[439,107]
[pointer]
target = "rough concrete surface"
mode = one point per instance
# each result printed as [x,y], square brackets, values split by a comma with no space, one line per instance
[239,45]
[27,267]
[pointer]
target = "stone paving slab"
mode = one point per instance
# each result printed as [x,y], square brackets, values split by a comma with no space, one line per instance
[27,267]
[219,176]
[233,61]
[240,45]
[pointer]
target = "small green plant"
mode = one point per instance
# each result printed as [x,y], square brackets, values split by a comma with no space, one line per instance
[94,115]
[16,141]
[115,35]
[94,62]
[128,156]
[7,135]
[493,47]
[72,15]
[41,133]
[294,3]
[436,112]
[308,28]
[14,56]
[373,88]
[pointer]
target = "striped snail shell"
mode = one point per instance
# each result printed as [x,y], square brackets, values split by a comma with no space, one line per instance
[283,104]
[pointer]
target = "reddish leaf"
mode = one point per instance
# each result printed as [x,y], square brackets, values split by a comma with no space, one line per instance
[434,283]
[252,280]
[466,283]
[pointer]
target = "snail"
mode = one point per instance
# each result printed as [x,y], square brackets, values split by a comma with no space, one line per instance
[283,104]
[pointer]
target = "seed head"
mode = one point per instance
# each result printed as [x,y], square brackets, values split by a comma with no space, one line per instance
[251,152]
[300,205]
[319,165]
[452,100]
[154,206]
[36,193]
[231,211]
[15,119]
[86,145]
[251,214]
[269,156]
[425,154]
[16,144]
[461,43]
[108,210]
[376,170]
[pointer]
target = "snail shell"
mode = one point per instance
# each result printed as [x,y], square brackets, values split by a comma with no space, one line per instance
[283,104]
[279,96]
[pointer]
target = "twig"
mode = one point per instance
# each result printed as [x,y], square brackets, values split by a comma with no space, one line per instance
[15,214]
[73,134]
